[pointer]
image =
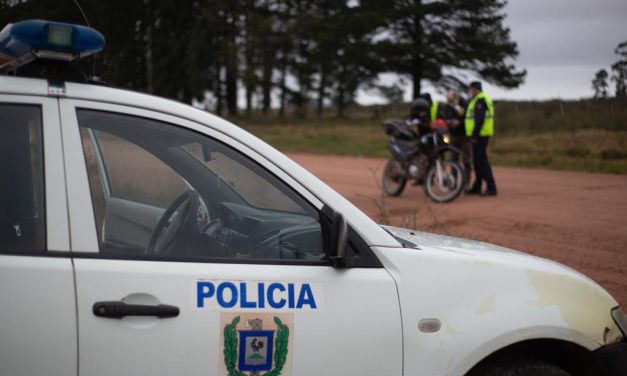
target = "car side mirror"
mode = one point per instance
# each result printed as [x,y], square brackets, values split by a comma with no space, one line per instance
[338,240]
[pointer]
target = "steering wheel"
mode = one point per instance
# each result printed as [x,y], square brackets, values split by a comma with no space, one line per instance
[170,232]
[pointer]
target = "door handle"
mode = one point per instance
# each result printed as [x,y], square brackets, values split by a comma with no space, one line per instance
[119,309]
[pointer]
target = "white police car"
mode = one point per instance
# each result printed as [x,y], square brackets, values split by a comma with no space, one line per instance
[139,236]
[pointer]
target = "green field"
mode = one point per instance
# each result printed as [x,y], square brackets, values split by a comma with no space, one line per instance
[587,135]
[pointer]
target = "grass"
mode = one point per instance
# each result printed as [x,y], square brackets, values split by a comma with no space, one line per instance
[342,139]
[584,135]
[591,150]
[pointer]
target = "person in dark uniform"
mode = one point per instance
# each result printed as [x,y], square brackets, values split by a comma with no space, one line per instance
[479,124]
[453,113]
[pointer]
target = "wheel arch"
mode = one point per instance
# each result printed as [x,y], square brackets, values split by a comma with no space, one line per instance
[571,357]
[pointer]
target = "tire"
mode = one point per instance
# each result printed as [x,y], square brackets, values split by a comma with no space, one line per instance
[454,182]
[394,180]
[517,367]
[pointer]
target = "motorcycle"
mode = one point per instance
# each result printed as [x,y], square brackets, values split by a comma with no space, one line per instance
[427,160]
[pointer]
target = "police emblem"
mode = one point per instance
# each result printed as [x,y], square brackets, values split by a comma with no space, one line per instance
[256,345]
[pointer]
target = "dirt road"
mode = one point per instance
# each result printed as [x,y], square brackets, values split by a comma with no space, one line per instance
[578,219]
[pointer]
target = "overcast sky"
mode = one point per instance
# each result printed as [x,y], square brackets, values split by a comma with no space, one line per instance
[562,44]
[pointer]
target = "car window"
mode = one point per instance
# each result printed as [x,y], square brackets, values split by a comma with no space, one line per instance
[121,172]
[163,191]
[22,216]
[252,187]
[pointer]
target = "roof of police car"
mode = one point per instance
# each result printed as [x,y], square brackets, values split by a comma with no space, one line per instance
[370,231]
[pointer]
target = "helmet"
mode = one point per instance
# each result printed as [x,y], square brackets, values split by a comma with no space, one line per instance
[427,97]
[419,107]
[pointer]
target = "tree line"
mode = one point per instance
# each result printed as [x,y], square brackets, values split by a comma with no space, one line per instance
[600,84]
[298,54]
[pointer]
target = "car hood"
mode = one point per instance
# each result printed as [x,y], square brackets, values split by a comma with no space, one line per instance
[476,250]
[419,239]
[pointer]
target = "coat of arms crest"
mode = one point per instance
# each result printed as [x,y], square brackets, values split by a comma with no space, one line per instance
[255,351]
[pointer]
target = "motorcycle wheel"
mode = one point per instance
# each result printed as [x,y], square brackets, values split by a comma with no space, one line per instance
[393,179]
[453,182]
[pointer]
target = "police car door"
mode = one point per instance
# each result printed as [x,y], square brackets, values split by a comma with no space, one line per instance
[37,305]
[194,255]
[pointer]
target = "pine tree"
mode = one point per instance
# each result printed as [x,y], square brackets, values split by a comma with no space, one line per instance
[599,84]
[620,70]
[429,39]
[303,51]
[344,52]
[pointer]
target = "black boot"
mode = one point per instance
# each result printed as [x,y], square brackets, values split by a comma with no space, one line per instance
[489,193]
[475,190]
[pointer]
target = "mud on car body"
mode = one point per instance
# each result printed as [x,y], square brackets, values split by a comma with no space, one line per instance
[142,236]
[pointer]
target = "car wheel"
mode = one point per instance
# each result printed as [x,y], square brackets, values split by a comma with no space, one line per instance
[517,367]
[394,179]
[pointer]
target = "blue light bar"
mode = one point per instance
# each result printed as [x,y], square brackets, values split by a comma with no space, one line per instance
[25,41]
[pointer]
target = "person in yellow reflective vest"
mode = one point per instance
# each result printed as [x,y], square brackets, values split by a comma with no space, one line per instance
[433,106]
[453,112]
[479,125]
[433,111]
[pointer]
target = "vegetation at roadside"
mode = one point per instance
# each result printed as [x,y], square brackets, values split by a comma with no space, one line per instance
[591,150]
[585,135]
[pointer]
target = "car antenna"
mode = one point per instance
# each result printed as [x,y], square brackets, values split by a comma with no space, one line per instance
[78,5]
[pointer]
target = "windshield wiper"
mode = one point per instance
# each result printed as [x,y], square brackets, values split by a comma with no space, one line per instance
[404,242]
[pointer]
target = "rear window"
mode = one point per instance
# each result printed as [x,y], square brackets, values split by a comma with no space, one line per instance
[22,217]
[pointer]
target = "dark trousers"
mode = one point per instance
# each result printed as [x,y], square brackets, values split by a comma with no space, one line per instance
[483,170]
[462,143]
